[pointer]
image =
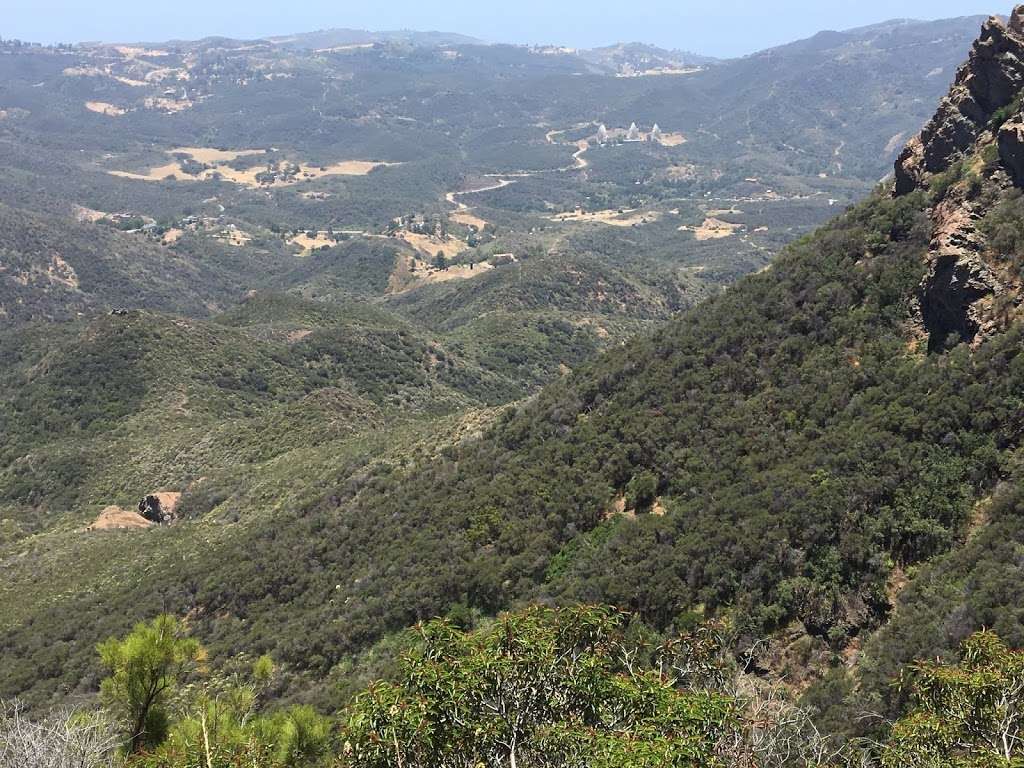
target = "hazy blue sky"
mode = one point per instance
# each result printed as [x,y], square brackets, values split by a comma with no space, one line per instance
[715,27]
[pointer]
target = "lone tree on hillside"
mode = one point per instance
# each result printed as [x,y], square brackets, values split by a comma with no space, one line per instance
[145,667]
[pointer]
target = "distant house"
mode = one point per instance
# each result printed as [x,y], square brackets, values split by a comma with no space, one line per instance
[602,134]
[655,133]
[633,134]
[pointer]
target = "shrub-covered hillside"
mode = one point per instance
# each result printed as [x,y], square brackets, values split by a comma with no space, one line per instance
[825,457]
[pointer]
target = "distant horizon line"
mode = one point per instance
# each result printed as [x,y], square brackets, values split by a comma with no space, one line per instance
[279,38]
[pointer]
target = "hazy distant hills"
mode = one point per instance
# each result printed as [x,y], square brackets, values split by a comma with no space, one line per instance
[335,38]
[760,150]
[636,59]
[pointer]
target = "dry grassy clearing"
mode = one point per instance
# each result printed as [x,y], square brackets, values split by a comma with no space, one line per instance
[457,272]
[309,244]
[90,215]
[672,139]
[411,273]
[468,219]
[235,237]
[712,229]
[103,108]
[612,218]
[219,159]
[156,174]
[429,245]
[115,518]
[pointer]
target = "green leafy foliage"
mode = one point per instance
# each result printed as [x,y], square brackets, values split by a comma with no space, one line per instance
[1004,227]
[966,715]
[540,687]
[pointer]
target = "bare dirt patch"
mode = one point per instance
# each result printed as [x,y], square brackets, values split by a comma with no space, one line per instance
[234,236]
[115,518]
[171,236]
[133,52]
[309,244]
[410,273]
[613,218]
[103,108]
[712,229]
[89,215]
[280,174]
[468,219]
[160,173]
[618,509]
[168,500]
[171,106]
[429,245]
[671,139]
[59,271]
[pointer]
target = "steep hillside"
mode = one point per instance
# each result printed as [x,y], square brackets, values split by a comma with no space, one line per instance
[54,267]
[826,455]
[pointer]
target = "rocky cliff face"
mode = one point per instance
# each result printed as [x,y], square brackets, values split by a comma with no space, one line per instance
[990,81]
[972,150]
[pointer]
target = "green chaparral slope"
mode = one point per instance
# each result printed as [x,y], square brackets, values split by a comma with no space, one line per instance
[803,448]
[796,456]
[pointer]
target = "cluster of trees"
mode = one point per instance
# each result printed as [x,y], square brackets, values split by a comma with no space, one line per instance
[574,687]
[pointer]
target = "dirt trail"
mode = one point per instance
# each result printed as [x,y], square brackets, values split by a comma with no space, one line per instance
[577,157]
[451,197]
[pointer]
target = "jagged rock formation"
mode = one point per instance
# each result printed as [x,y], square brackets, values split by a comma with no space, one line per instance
[159,507]
[957,293]
[982,109]
[1011,148]
[989,81]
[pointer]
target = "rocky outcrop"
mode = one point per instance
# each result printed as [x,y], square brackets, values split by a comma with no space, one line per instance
[1011,148]
[959,288]
[959,291]
[160,507]
[987,83]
